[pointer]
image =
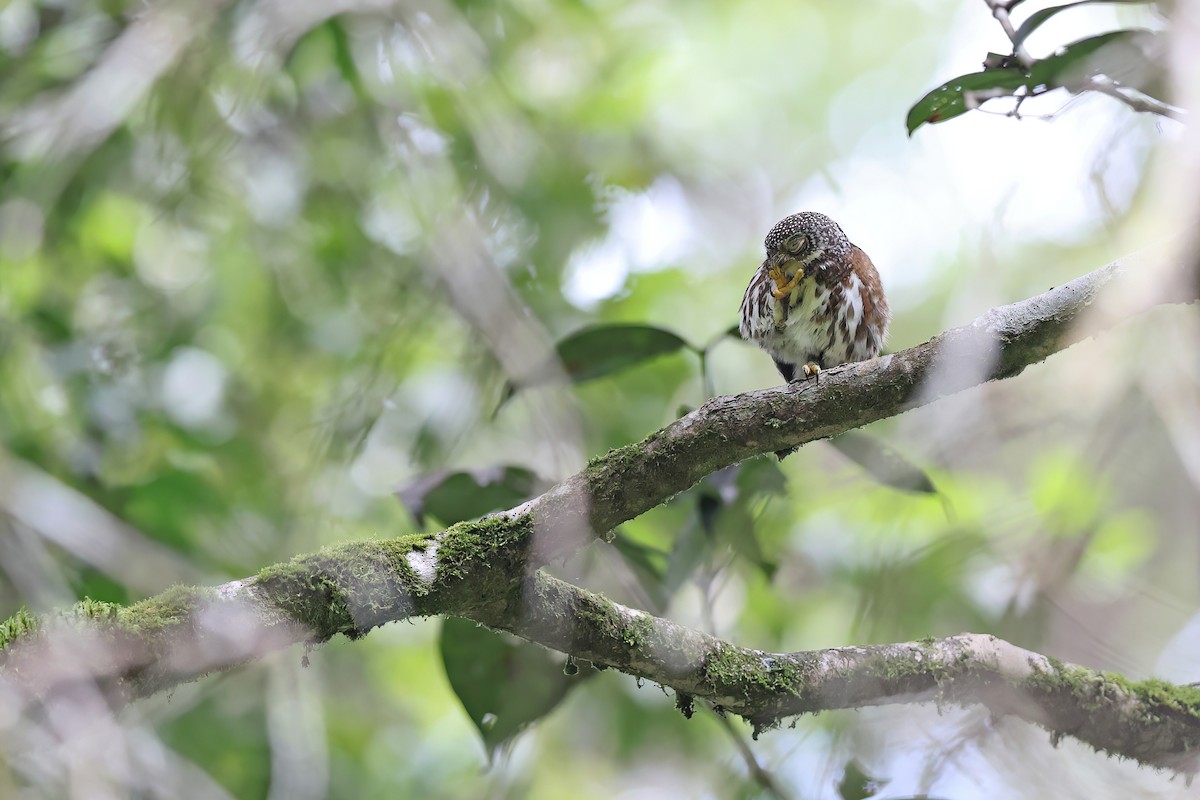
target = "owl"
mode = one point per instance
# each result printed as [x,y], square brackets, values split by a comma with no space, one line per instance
[816,301]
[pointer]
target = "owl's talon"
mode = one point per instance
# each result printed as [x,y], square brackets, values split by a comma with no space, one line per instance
[811,370]
[784,286]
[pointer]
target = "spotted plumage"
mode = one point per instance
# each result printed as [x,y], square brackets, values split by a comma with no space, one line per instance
[816,301]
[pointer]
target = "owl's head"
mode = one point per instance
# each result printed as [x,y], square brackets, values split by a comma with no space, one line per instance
[804,238]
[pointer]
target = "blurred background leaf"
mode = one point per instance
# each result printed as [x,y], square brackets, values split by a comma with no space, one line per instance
[601,350]
[451,497]
[604,349]
[882,462]
[504,683]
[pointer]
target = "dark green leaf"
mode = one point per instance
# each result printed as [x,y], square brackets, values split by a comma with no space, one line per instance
[856,784]
[1105,54]
[601,350]
[504,683]
[604,349]
[456,496]
[950,99]
[883,462]
[1037,18]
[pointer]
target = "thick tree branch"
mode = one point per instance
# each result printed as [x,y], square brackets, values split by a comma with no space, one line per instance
[481,570]
[1151,721]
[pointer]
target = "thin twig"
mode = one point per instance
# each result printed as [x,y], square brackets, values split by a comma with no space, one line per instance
[1141,102]
[1000,10]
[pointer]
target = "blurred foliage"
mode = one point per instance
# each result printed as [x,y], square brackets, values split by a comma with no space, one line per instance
[1129,64]
[239,247]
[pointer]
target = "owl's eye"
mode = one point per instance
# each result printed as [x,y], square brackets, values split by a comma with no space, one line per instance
[795,243]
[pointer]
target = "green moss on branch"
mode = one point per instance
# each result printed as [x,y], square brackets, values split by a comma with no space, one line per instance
[1151,720]
[143,621]
[19,625]
[349,588]
[354,587]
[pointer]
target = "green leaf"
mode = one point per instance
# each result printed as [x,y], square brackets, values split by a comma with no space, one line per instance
[1120,55]
[504,683]
[1036,19]
[1095,55]
[883,462]
[734,522]
[950,99]
[601,350]
[452,497]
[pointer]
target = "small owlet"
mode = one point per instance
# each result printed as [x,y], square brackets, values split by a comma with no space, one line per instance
[816,301]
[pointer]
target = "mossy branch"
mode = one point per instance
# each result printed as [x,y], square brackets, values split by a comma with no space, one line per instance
[1151,721]
[481,570]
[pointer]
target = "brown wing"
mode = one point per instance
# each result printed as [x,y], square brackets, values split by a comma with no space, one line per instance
[876,315]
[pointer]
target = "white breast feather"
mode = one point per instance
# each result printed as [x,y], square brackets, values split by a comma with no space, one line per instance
[852,296]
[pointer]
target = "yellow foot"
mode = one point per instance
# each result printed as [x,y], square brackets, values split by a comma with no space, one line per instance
[783,286]
[811,370]
[777,275]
